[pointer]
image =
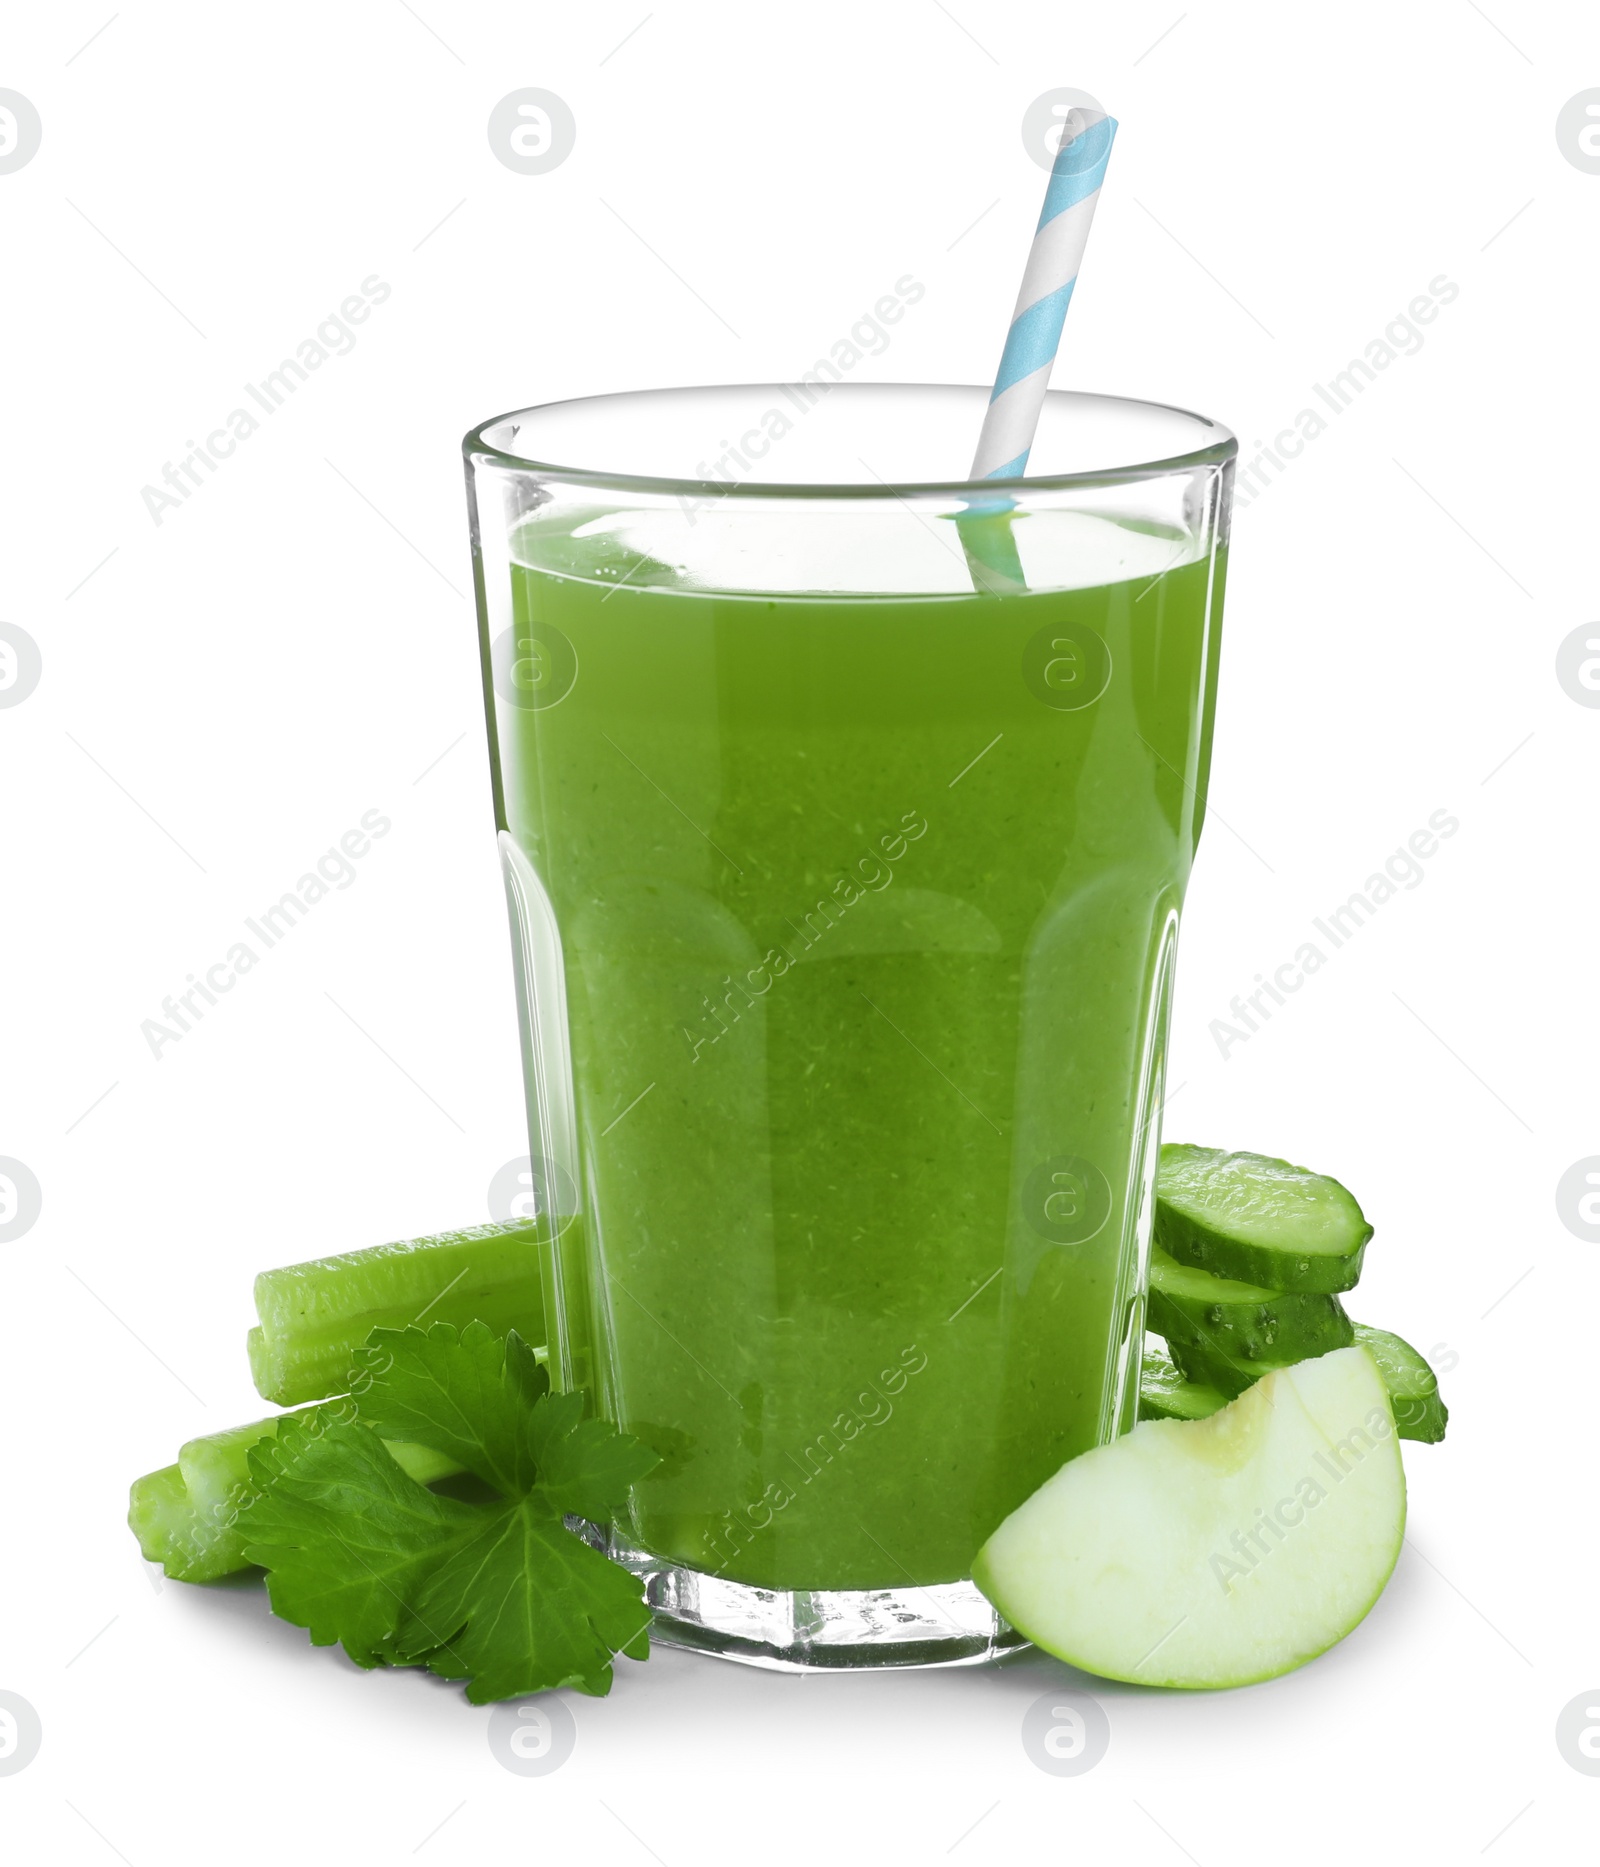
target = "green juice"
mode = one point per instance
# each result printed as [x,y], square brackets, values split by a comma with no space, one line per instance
[866,914]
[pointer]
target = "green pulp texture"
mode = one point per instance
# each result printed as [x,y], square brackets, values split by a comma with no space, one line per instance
[865,940]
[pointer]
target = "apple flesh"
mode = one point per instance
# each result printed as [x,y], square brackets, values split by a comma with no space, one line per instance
[1214,1552]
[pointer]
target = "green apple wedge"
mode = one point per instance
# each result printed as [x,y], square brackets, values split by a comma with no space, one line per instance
[1215,1552]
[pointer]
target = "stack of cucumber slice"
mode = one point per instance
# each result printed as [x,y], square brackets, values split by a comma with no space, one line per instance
[1251,1258]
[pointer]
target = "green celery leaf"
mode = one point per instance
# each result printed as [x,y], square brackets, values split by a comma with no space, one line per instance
[455,1393]
[535,1605]
[500,1594]
[585,1466]
[345,1536]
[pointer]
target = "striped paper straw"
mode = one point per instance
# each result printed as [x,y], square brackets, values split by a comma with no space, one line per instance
[1035,334]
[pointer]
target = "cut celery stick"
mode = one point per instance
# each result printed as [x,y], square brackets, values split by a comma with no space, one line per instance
[216,1465]
[184,1514]
[160,1516]
[261,1369]
[216,1475]
[314,1316]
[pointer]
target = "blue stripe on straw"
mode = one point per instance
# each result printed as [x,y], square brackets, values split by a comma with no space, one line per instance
[1080,167]
[1008,470]
[1035,332]
[1034,338]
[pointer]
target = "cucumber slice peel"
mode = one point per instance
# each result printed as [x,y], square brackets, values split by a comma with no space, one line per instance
[1165,1395]
[1259,1220]
[1243,1321]
[1211,1368]
[1413,1387]
[1419,1412]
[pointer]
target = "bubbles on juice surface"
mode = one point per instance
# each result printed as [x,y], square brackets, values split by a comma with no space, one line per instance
[841,547]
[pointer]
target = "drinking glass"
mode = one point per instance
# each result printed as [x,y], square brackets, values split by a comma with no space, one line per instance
[846,809]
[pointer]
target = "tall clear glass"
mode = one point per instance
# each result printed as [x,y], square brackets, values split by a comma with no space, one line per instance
[846,811]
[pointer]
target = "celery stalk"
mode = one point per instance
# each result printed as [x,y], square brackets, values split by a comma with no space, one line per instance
[184,1514]
[314,1316]
[160,1516]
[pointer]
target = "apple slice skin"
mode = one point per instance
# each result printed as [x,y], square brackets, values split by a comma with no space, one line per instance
[1217,1552]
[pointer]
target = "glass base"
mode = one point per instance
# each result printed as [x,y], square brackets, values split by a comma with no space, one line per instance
[805,1630]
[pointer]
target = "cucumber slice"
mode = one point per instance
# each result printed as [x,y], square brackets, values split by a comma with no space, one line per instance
[314,1316]
[1165,1395]
[1213,1552]
[1260,1220]
[1209,1367]
[1244,1321]
[1413,1387]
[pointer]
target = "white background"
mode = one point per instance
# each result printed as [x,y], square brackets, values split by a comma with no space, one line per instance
[224,694]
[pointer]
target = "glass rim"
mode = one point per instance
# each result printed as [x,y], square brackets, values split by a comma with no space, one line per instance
[481,452]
